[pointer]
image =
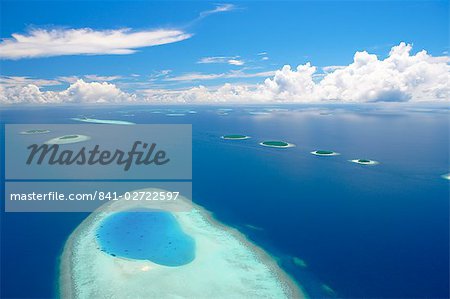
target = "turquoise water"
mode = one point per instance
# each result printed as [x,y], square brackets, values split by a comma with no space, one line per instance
[146,235]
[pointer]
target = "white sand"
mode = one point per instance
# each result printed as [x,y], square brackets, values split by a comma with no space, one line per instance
[239,138]
[278,146]
[325,155]
[62,140]
[371,162]
[226,264]
[34,131]
[104,121]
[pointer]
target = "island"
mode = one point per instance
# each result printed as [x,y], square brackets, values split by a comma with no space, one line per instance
[324,153]
[364,161]
[259,113]
[446,176]
[103,121]
[74,138]
[34,131]
[235,137]
[211,261]
[277,144]
[175,114]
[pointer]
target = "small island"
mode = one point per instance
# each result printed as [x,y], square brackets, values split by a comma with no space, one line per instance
[103,121]
[34,131]
[74,138]
[324,153]
[277,144]
[446,176]
[259,113]
[364,161]
[235,137]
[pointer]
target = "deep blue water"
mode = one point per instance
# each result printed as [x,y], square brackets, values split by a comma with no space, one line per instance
[379,231]
[146,235]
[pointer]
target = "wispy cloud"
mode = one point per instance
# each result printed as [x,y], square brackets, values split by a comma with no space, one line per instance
[217,9]
[9,81]
[233,60]
[229,75]
[102,78]
[84,41]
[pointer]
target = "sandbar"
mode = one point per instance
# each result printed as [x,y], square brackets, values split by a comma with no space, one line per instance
[103,121]
[66,139]
[35,131]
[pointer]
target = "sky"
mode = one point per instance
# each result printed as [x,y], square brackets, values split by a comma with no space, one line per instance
[208,52]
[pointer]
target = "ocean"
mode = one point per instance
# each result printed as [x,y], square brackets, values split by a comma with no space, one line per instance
[359,231]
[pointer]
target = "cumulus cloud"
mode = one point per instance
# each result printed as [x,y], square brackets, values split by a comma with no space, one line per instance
[332,68]
[400,77]
[85,41]
[79,92]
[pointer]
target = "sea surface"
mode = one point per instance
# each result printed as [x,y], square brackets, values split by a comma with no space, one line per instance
[339,228]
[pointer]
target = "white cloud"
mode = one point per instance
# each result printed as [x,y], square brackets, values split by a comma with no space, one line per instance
[232,60]
[235,62]
[229,75]
[400,77]
[68,79]
[264,58]
[218,9]
[101,78]
[332,68]
[11,81]
[78,92]
[85,41]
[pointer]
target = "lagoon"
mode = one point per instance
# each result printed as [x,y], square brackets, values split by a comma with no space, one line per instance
[146,234]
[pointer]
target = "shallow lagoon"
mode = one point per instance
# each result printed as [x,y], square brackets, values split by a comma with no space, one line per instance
[152,235]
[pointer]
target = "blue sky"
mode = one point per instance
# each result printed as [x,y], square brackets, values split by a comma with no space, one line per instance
[294,32]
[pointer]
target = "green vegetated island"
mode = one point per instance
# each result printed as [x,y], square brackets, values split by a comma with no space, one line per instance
[235,137]
[277,144]
[324,153]
[365,161]
[225,265]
